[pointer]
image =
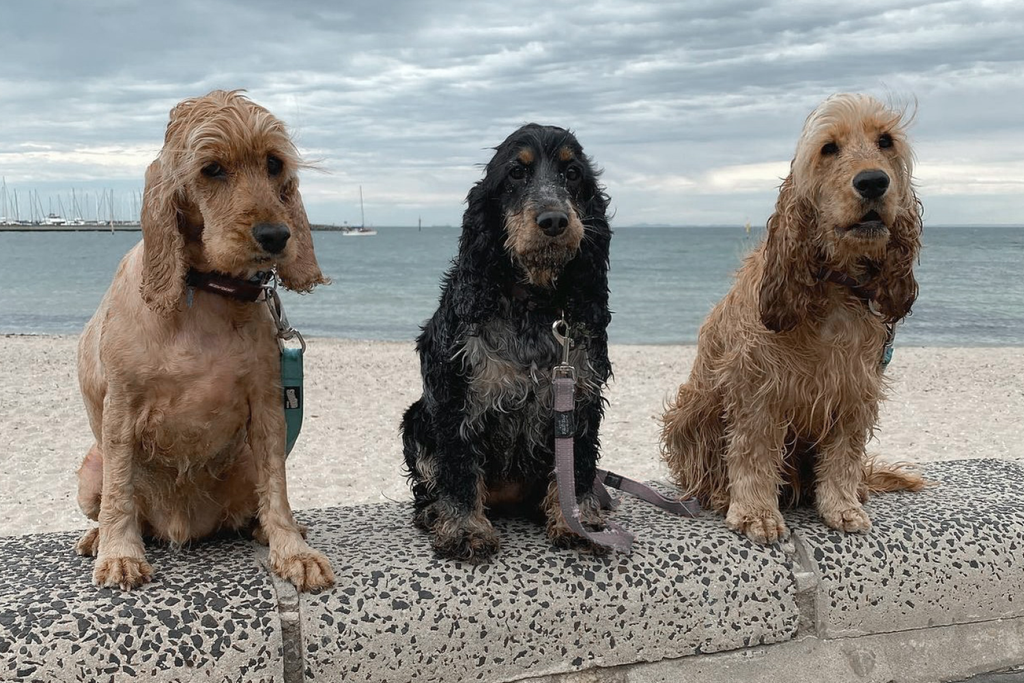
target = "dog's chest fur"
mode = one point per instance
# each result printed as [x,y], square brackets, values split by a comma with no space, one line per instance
[842,376]
[198,400]
[510,391]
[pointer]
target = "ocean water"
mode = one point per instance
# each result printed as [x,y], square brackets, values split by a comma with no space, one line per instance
[663,283]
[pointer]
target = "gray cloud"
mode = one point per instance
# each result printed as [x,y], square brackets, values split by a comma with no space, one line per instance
[689,107]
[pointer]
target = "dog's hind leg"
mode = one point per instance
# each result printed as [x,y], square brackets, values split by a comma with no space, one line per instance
[90,483]
[420,463]
[693,445]
[90,492]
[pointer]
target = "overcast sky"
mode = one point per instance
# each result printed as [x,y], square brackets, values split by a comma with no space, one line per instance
[692,108]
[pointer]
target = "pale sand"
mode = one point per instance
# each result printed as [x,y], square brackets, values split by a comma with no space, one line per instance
[946,403]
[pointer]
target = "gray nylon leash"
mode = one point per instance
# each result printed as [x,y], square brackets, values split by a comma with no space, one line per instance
[615,536]
[688,507]
[565,476]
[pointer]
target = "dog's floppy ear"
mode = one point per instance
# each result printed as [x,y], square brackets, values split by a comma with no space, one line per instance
[787,280]
[163,245]
[482,262]
[897,287]
[302,274]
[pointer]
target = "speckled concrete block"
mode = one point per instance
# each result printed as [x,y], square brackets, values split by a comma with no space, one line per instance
[951,554]
[398,614]
[937,585]
[211,614]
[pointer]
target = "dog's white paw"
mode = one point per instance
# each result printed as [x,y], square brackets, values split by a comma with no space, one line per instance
[309,570]
[851,519]
[759,525]
[123,572]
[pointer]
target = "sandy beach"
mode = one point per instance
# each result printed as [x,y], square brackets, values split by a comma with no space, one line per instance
[945,403]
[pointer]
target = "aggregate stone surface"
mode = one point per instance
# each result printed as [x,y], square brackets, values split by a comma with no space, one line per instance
[690,586]
[209,614]
[953,553]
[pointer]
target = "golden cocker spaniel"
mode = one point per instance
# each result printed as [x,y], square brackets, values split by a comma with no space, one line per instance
[183,386]
[784,392]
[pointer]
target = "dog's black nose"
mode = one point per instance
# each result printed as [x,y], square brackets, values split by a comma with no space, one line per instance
[272,236]
[871,184]
[553,223]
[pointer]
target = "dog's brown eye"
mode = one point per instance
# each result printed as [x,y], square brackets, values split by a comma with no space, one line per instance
[214,170]
[829,149]
[573,174]
[274,165]
[884,141]
[518,172]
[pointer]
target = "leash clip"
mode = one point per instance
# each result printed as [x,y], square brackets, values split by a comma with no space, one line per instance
[285,331]
[560,329]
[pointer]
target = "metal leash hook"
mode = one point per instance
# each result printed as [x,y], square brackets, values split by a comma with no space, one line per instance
[285,331]
[560,329]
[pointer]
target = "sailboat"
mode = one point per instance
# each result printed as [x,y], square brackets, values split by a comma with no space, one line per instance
[361,230]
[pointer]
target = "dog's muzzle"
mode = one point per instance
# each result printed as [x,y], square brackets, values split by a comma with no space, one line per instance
[871,184]
[272,237]
[553,223]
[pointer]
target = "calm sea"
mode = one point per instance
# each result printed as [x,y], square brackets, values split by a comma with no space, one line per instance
[663,283]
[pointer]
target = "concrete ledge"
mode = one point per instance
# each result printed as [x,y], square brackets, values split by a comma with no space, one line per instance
[687,588]
[934,592]
[210,615]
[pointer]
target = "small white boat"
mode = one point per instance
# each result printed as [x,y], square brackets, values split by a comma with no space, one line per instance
[361,230]
[358,232]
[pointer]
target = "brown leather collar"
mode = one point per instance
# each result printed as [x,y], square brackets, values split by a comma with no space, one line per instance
[865,294]
[227,285]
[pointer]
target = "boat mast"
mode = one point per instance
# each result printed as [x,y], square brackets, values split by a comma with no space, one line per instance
[362,217]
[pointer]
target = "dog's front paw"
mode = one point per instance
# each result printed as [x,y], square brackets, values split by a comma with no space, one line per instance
[123,572]
[762,526]
[475,542]
[564,537]
[851,519]
[561,536]
[309,570]
[89,543]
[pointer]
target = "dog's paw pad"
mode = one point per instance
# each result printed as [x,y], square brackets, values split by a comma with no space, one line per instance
[850,520]
[309,571]
[760,526]
[123,572]
[89,543]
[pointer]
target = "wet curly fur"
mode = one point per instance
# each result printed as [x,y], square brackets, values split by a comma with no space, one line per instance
[784,392]
[534,244]
[183,392]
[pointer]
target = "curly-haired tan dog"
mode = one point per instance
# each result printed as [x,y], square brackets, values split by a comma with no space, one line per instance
[183,390]
[784,392]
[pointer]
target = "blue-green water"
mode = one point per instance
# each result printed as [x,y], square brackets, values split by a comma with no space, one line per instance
[663,283]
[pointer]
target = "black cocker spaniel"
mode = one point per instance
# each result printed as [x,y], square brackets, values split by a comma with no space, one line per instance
[534,248]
